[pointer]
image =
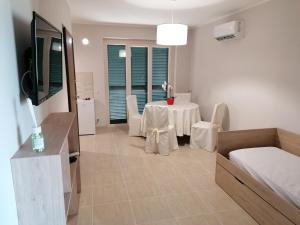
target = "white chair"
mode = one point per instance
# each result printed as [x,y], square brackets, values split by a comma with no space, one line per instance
[134,118]
[160,136]
[204,134]
[182,98]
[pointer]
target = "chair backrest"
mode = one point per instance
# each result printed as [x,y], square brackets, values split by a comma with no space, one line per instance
[132,106]
[218,114]
[182,98]
[156,117]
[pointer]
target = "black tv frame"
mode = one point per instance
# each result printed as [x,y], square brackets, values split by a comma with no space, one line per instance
[34,76]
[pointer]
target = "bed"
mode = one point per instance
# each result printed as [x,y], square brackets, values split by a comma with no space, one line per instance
[249,170]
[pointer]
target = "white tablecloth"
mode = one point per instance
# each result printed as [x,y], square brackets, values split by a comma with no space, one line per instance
[182,116]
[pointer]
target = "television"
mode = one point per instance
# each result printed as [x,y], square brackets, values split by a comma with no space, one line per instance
[46,60]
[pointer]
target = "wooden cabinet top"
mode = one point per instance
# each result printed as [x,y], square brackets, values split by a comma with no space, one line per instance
[55,130]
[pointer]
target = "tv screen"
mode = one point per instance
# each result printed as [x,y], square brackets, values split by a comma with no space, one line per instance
[46,60]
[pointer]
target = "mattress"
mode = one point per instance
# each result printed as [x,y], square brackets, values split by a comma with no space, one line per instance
[275,168]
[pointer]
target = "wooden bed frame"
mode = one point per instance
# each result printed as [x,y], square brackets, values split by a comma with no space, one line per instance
[264,205]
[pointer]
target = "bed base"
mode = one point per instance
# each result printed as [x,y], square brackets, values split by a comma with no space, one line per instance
[264,205]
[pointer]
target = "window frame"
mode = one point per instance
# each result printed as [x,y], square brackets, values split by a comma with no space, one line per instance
[136,43]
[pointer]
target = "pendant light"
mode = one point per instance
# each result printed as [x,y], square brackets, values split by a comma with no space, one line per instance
[172,34]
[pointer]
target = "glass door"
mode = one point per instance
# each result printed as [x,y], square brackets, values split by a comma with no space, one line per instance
[139,75]
[138,69]
[160,70]
[117,83]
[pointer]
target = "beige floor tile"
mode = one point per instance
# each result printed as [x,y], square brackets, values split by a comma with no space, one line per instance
[104,145]
[109,163]
[209,219]
[217,200]
[109,193]
[125,140]
[142,189]
[201,182]
[235,217]
[150,210]
[86,197]
[190,168]
[87,143]
[87,177]
[131,150]
[162,222]
[113,214]
[205,155]
[106,177]
[185,154]
[132,161]
[156,161]
[87,157]
[209,165]
[115,169]
[164,172]
[186,205]
[136,173]
[120,129]
[104,157]
[85,216]
[173,185]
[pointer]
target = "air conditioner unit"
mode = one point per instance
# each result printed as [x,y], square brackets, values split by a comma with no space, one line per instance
[227,31]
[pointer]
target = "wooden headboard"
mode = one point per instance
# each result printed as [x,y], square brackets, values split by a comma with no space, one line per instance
[288,141]
[233,140]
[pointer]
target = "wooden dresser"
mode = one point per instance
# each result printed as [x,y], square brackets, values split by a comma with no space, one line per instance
[46,184]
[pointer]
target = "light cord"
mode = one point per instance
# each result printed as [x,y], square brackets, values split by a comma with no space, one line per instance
[172,10]
[22,80]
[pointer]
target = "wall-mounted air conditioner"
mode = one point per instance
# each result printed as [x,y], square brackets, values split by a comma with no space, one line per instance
[227,30]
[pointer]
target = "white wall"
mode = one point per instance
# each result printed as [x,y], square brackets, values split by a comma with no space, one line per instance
[91,58]
[15,120]
[258,76]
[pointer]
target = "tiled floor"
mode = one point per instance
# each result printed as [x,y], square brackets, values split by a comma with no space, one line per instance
[121,185]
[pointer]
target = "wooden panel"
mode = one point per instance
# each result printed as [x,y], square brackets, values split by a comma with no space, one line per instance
[73,138]
[78,176]
[264,192]
[72,197]
[233,140]
[72,220]
[39,190]
[42,181]
[65,164]
[288,141]
[55,129]
[261,211]
[71,85]
[74,204]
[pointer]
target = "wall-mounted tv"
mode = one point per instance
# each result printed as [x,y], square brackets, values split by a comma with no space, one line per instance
[46,63]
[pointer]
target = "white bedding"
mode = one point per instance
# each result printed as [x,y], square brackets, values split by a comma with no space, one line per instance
[276,168]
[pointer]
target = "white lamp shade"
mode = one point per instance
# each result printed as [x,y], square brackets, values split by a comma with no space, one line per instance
[171,34]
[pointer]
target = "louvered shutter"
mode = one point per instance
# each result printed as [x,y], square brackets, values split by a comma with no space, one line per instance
[139,70]
[160,62]
[117,84]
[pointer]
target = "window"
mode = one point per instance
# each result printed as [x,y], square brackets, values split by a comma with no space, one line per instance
[160,64]
[139,71]
[117,84]
[138,68]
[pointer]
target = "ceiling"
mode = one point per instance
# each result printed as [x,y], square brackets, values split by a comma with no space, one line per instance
[153,12]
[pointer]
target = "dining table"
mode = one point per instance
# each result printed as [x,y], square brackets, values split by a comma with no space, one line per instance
[181,115]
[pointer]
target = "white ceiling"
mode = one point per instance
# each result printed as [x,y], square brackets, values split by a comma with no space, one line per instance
[153,12]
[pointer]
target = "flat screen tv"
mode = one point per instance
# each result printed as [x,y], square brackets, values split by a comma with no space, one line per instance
[46,62]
